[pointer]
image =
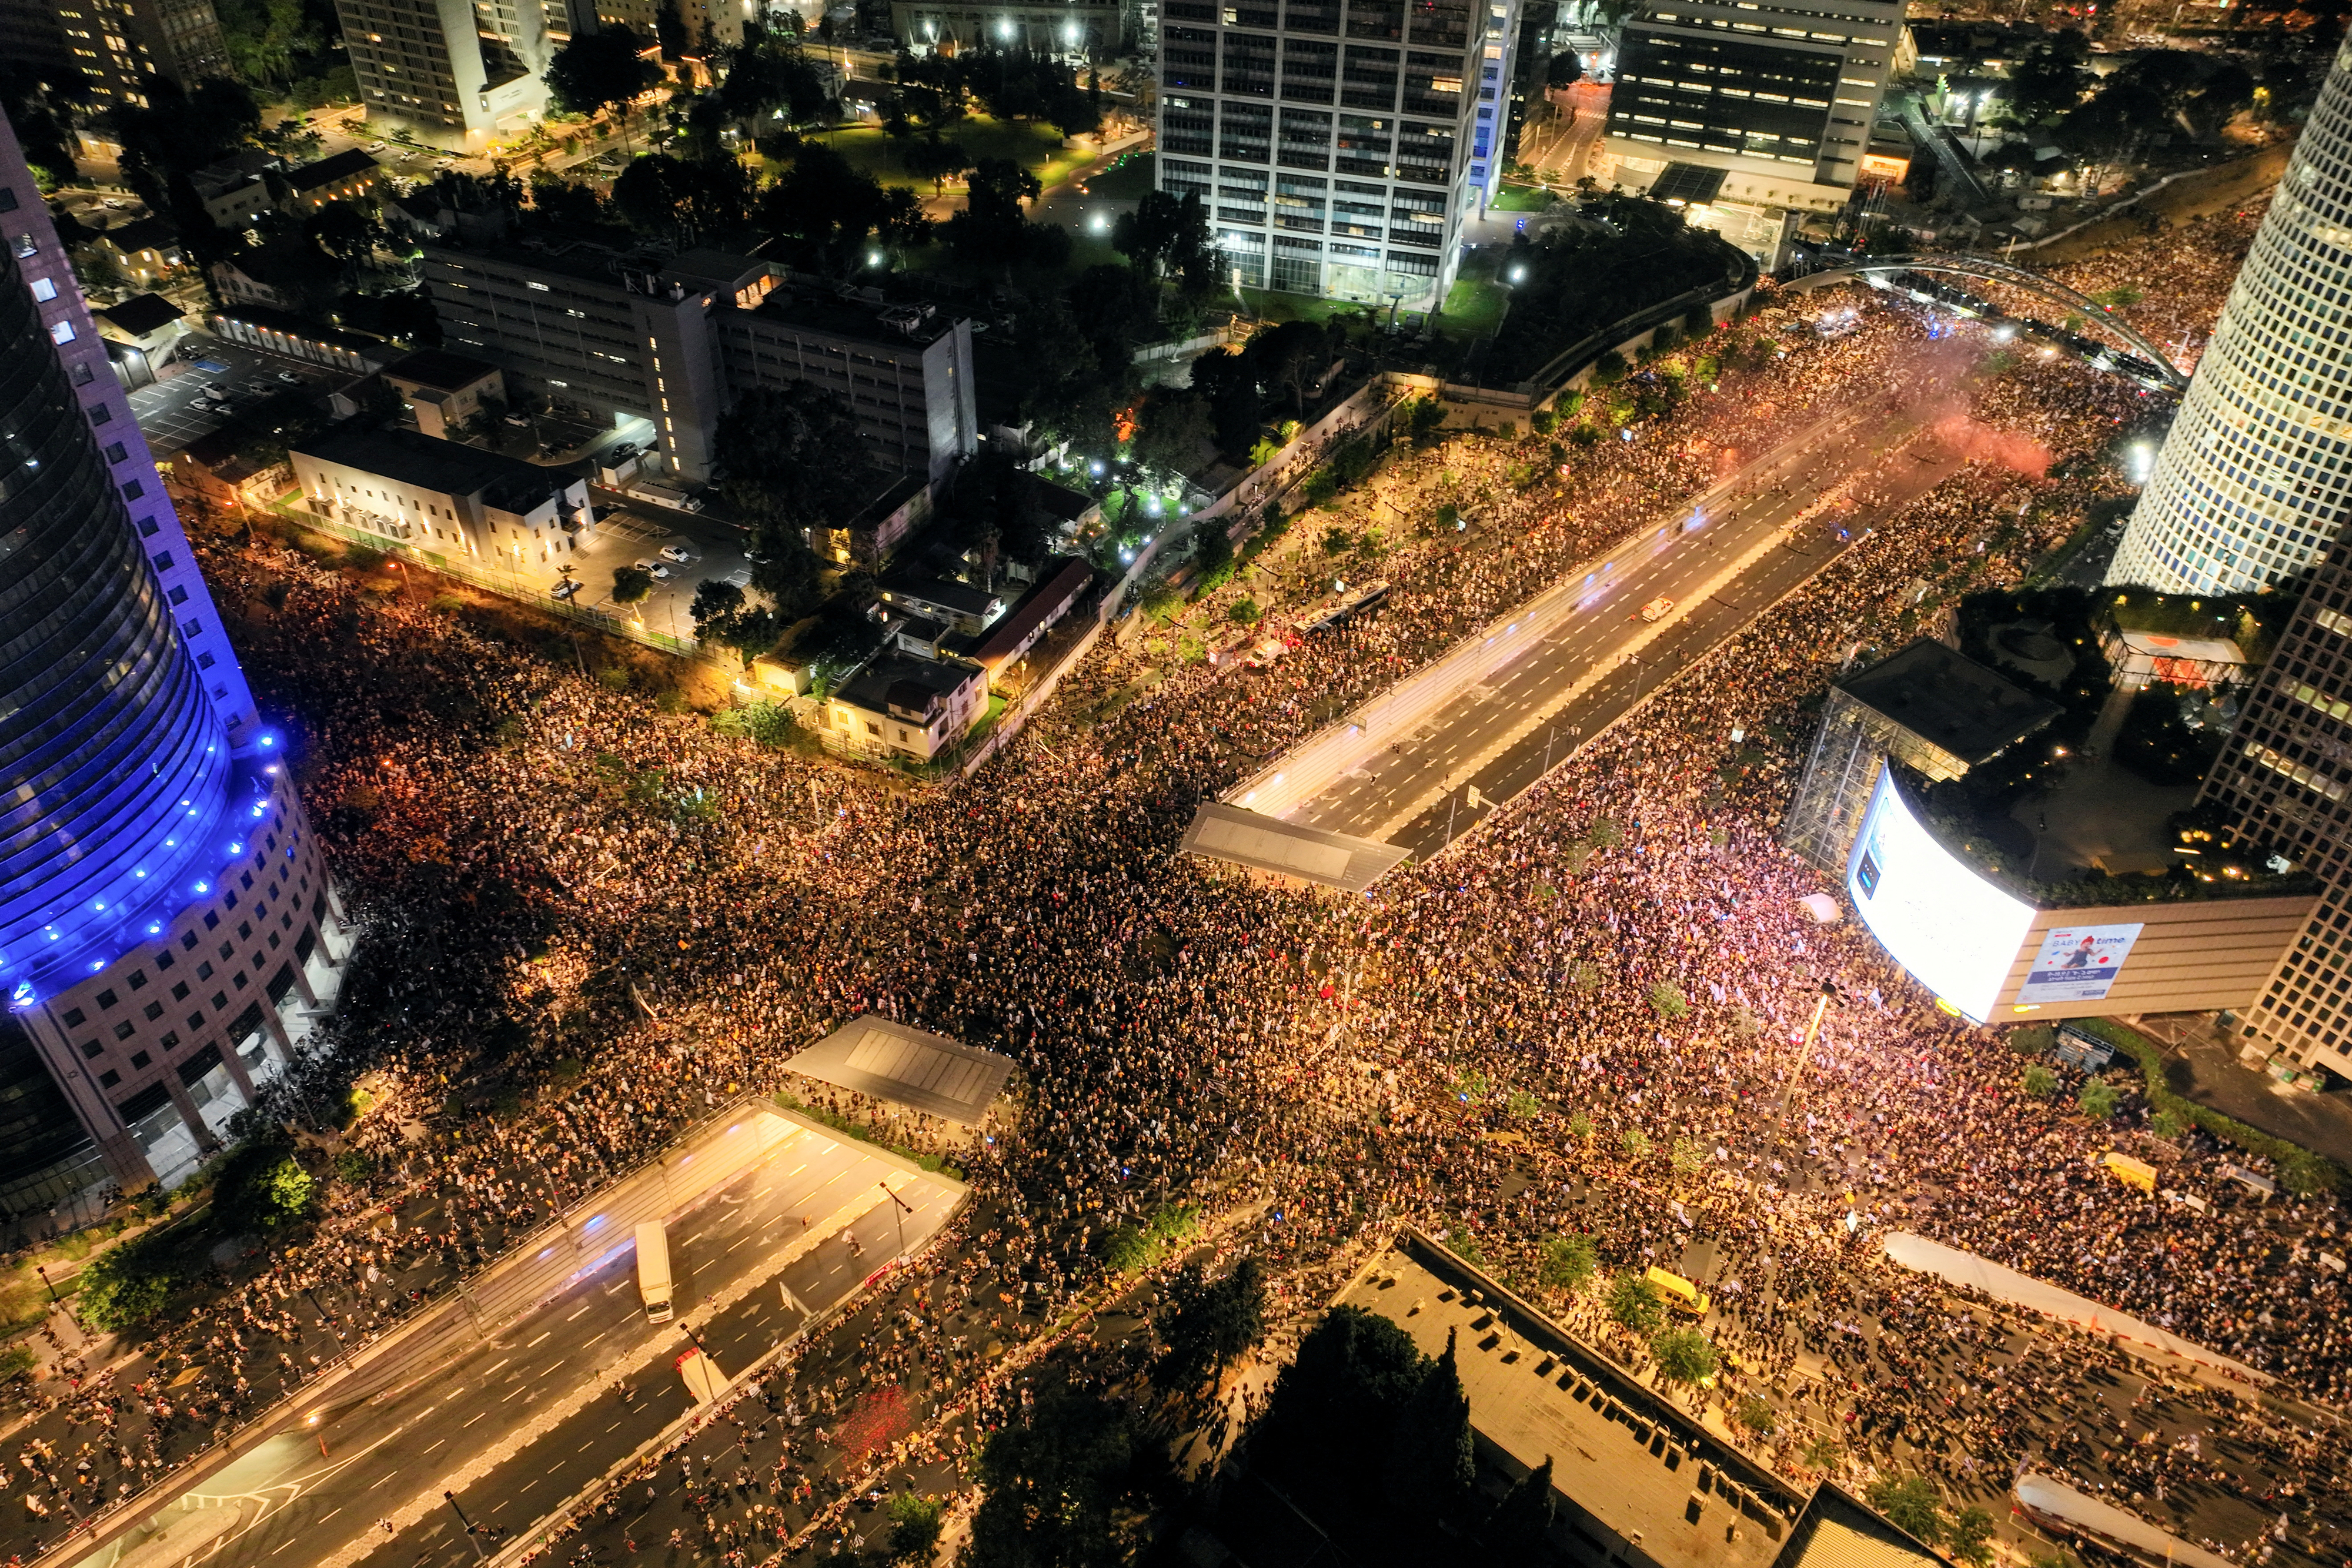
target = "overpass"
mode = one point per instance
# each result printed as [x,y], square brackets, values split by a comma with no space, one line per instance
[1985,269]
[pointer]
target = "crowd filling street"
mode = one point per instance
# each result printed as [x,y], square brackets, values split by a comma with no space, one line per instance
[586,923]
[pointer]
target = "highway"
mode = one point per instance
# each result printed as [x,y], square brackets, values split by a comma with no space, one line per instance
[1587,659]
[518,1424]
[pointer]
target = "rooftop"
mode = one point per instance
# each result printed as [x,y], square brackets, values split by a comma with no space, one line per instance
[908,682]
[860,320]
[439,369]
[142,233]
[960,597]
[1264,843]
[407,457]
[722,269]
[1950,701]
[328,170]
[142,314]
[938,1076]
[1628,1458]
[1052,593]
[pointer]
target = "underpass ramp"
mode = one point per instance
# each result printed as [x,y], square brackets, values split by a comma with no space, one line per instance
[884,1058]
[1291,851]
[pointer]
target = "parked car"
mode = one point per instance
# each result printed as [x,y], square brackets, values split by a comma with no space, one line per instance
[621,453]
[258,388]
[217,389]
[566,589]
[676,553]
[375,146]
[521,419]
[200,405]
[291,377]
[661,571]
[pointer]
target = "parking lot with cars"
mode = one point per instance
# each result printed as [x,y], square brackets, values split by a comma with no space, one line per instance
[221,380]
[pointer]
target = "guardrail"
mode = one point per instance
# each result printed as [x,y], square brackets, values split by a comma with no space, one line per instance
[542,1532]
[445,1313]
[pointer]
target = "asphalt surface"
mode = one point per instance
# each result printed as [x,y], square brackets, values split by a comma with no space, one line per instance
[169,422]
[519,1425]
[1411,792]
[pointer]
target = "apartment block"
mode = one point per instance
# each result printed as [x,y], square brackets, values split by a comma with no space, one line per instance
[1339,144]
[117,45]
[456,71]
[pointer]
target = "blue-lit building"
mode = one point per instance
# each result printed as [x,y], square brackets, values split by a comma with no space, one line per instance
[167,934]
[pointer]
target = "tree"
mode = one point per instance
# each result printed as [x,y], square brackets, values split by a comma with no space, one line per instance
[990,230]
[632,585]
[2048,77]
[792,458]
[261,1186]
[1051,1482]
[1165,234]
[913,1528]
[1211,1326]
[2039,1081]
[1520,1526]
[2098,1101]
[600,70]
[937,160]
[1174,427]
[1684,1356]
[1568,1262]
[1970,1536]
[1634,1302]
[565,200]
[1564,69]
[1224,376]
[1336,1406]
[770,79]
[1430,1462]
[659,194]
[1910,1505]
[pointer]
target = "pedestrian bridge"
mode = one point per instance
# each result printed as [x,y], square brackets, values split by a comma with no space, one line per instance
[1985,269]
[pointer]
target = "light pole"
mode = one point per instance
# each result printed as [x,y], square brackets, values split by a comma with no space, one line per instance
[451,1498]
[898,1212]
[1788,1090]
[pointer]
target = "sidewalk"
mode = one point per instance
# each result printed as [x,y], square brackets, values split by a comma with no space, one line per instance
[2201,1064]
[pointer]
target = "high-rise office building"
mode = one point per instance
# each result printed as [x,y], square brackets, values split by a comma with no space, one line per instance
[1338,144]
[2256,472]
[460,71]
[1751,115]
[116,45]
[160,894]
[2284,778]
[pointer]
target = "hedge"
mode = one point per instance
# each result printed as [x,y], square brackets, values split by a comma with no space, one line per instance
[2299,1169]
[934,1163]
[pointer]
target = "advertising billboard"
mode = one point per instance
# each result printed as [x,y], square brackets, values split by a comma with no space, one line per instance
[1955,932]
[2078,962]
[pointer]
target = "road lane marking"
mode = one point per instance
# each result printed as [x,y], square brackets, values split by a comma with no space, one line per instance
[488,1370]
[471,1420]
[583,1307]
[540,1339]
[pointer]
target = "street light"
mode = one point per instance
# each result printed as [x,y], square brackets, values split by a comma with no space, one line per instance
[1829,993]
[899,1213]
[451,1498]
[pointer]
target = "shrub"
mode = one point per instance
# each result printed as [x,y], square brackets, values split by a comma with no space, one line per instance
[2098,1101]
[2039,1081]
[1244,613]
[2167,1124]
[1688,1158]
[1667,1001]
[1757,1414]
[1637,1143]
[125,1285]
[1543,421]
[1911,1504]
[2033,1039]
[1522,1105]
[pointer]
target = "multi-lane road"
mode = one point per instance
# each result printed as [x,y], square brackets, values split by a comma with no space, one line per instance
[1565,665]
[516,1423]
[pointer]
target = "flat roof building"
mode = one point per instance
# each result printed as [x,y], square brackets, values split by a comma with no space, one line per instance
[1751,116]
[463,73]
[674,341]
[443,497]
[444,390]
[905,704]
[117,45]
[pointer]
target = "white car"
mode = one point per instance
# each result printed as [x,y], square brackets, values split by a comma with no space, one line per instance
[288,376]
[566,589]
[676,553]
[653,568]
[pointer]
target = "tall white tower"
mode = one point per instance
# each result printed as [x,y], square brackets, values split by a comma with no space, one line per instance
[2257,470]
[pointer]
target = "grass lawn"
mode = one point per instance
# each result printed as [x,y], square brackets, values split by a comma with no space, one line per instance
[1037,148]
[1268,305]
[1128,181]
[1474,307]
[1520,199]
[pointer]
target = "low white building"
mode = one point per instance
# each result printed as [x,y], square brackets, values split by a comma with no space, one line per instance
[445,499]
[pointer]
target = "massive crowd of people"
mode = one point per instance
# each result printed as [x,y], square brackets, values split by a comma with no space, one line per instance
[585,919]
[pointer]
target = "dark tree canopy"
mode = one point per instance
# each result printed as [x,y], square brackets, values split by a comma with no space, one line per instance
[1054,1480]
[791,459]
[659,194]
[179,133]
[1431,1463]
[600,70]
[1212,1324]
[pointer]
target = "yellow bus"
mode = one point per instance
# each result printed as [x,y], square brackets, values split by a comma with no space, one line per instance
[1677,1292]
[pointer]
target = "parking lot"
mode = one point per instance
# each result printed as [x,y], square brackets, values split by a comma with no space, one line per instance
[169,422]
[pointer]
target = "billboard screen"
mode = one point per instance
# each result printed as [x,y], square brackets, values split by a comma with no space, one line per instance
[2078,962]
[1955,932]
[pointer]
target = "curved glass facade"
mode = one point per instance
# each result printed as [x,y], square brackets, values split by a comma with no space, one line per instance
[2257,470]
[115,759]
